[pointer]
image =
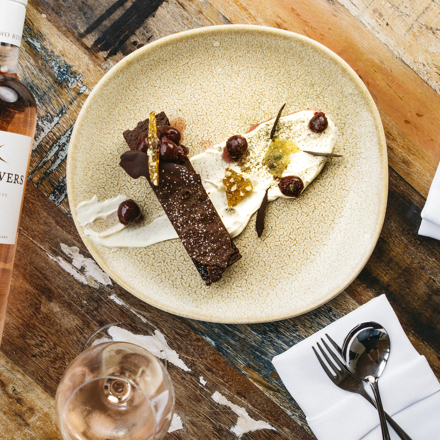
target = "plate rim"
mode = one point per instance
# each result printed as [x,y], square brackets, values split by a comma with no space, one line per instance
[263,30]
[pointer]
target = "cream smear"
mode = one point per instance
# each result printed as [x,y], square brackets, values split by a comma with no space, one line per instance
[117,235]
[294,127]
[211,167]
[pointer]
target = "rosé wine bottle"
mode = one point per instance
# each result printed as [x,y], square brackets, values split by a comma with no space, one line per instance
[18,115]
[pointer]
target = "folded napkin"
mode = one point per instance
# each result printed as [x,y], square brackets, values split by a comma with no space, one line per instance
[409,389]
[430,226]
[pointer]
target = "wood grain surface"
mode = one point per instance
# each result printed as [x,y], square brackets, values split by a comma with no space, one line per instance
[59,295]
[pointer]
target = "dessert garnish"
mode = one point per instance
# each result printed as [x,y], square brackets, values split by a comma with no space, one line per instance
[187,205]
[291,186]
[180,182]
[317,153]
[318,123]
[236,146]
[100,219]
[152,150]
[100,222]
[171,133]
[272,132]
[278,155]
[261,214]
[171,152]
[237,187]
[129,212]
[265,164]
[142,144]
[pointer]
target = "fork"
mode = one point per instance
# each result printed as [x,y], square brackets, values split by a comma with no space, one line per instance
[345,380]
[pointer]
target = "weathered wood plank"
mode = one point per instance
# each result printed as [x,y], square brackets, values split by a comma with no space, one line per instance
[27,411]
[58,298]
[408,106]
[245,347]
[250,348]
[65,49]
[406,267]
[60,75]
[411,31]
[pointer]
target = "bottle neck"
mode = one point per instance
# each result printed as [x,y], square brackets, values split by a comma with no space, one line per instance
[12,16]
[8,59]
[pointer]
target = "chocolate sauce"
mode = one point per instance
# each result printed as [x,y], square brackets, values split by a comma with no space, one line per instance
[135,163]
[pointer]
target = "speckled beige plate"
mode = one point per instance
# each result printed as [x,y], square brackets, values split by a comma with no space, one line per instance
[217,81]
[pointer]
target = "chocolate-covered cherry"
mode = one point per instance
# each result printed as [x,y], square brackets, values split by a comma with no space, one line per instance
[170,152]
[318,123]
[236,146]
[184,150]
[142,144]
[129,212]
[167,150]
[173,134]
[291,186]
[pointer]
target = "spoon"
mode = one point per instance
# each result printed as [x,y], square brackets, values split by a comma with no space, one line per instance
[366,351]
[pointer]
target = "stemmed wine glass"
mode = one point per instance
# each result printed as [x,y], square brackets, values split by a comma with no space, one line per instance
[114,389]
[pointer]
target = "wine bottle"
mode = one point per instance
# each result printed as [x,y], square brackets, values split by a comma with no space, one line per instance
[18,115]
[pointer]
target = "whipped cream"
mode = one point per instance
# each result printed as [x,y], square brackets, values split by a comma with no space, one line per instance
[117,235]
[294,127]
[211,167]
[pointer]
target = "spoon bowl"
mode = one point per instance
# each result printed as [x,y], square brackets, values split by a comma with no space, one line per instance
[366,351]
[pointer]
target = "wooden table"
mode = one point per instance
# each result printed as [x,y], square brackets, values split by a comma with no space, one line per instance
[58,297]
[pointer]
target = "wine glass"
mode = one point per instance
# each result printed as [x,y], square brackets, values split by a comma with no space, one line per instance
[134,331]
[114,390]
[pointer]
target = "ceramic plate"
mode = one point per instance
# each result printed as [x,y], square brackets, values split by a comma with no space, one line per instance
[215,82]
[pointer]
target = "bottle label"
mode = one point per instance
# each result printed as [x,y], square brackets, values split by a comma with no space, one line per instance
[14,156]
[12,15]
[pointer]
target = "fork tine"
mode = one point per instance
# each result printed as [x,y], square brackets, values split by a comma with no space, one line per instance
[324,366]
[334,356]
[337,348]
[329,361]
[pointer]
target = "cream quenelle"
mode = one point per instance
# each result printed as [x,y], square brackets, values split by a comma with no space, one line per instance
[265,162]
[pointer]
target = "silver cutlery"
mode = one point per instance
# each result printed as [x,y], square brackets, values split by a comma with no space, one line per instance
[368,351]
[342,378]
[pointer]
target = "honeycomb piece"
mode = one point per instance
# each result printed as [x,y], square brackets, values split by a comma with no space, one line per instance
[153,150]
[237,187]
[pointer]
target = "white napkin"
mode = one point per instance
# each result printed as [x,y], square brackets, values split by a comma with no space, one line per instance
[409,389]
[430,226]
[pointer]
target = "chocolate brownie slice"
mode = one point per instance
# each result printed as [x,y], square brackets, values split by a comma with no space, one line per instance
[184,200]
